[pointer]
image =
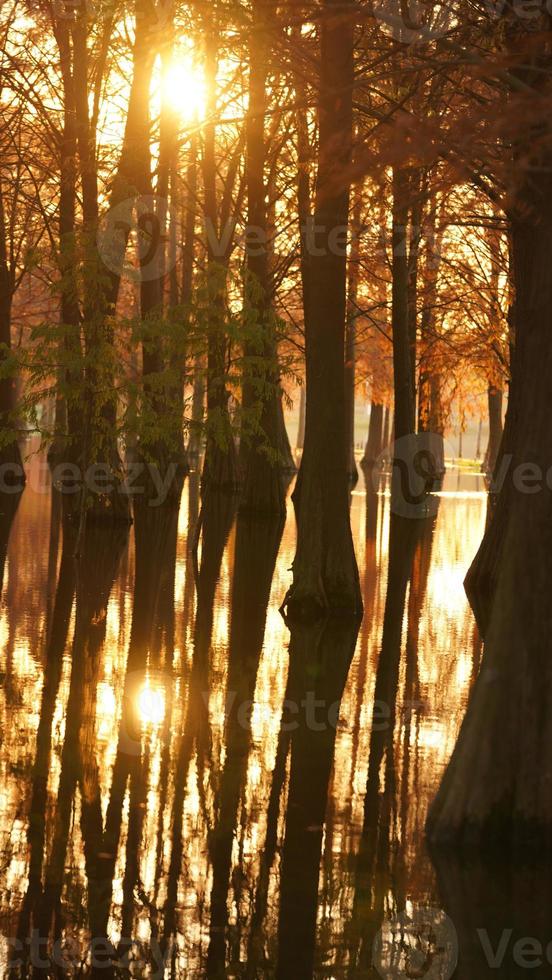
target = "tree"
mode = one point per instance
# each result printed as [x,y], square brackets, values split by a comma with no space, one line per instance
[325,574]
[497,785]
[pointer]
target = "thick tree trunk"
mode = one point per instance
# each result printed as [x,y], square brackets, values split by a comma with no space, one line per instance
[498,785]
[325,574]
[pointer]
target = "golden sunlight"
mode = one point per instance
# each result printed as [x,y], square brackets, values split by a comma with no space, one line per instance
[184,87]
[151,704]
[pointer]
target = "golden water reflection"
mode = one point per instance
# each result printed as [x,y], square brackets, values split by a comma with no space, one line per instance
[183,778]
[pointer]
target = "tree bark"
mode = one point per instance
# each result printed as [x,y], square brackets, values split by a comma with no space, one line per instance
[263,486]
[498,786]
[99,442]
[325,573]
[10,453]
[494,399]
[402,364]
[374,440]
[302,413]
[350,335]
[68,433]
[220,465]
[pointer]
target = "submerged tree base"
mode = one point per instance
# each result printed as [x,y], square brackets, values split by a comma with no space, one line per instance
[11,461]
[308,603]
[221,470]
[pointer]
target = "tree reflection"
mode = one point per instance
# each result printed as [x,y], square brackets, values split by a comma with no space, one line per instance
[57,638]
[91,574]
[320,657]
[379,870]
[257,544]
[218,512]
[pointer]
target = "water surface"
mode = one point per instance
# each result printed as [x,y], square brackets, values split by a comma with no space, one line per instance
[185,779]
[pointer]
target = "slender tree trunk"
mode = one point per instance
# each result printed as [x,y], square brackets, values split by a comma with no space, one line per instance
[263,486]
[494,399]
[285,456]
[304,214]
[350,334]
[9,447]
[374,440]
[386,438]
[68,434]
[99,443]
[198,410]
[220,466]
[187,292]
[325,573]
[416,195]
[430,413]
[302,414]
[402,364]
[173,452]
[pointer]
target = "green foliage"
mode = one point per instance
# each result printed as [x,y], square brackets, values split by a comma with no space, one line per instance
[94,369]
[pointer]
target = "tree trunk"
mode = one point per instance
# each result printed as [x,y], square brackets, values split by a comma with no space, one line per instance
[416,194]
[386,426]
[10,453]
[302,414]
[498,785]
[68,432]
[494,398]
[187,292]
[350,336]
[220,465]
[374,440]
[99,443]
[285,455]
[198,410]
[430,413]
[402,364]
[263,486]
[325,573]
[173,452]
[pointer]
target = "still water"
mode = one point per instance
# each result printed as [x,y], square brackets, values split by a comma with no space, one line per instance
[188,789]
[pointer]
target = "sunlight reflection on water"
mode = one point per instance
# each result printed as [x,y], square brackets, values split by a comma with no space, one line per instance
[197,808]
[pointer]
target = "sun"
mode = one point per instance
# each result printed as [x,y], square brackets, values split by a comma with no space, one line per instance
[151,705]
[184,87]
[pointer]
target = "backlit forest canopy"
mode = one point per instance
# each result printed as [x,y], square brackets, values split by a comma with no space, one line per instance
[127,132]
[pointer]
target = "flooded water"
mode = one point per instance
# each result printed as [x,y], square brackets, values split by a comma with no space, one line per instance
[189,789]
